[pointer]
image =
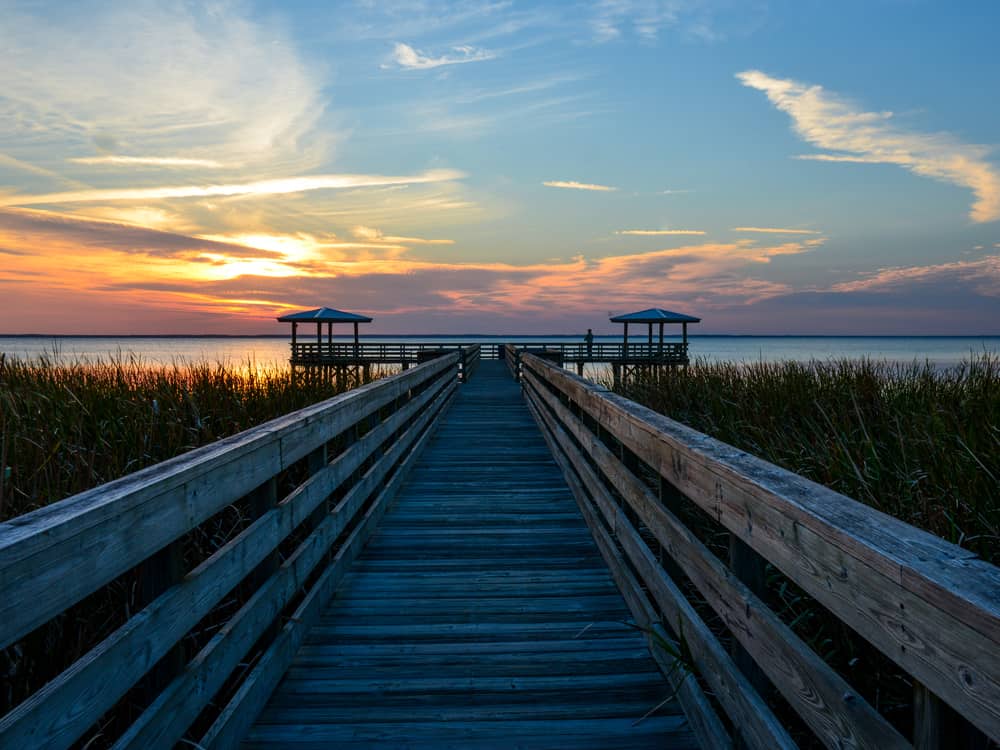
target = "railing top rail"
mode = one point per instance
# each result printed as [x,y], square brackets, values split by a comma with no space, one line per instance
[930,605]
[888,543]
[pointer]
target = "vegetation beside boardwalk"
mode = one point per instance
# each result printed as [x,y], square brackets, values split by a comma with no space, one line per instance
[914,441]
[67,427]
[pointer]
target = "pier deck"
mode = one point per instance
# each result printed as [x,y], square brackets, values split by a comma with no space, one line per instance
[479,615]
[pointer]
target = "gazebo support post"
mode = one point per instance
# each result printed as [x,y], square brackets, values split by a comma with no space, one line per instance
[625,345]
[356,338]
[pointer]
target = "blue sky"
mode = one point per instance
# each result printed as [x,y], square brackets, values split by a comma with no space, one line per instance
[509,167]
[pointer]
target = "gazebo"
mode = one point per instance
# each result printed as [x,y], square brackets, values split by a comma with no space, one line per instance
[650,356]
[305,353]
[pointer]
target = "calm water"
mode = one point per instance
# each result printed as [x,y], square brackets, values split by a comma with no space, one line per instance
[273,351]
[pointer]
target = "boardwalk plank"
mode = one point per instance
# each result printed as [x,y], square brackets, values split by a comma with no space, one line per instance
[480,615]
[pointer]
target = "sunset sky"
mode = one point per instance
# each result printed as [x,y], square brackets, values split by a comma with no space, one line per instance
[500,167]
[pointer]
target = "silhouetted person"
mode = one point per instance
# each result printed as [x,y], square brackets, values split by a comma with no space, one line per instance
[589,339]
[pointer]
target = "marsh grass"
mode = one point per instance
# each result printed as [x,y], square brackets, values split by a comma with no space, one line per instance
[915,441]
[69,427]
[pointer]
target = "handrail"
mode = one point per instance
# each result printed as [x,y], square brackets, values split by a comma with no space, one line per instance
[355,449]
[512,356]
[929,605]
[470,361]
[346,352]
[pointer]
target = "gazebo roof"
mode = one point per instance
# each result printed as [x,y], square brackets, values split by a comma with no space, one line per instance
[655,315]
[324,315]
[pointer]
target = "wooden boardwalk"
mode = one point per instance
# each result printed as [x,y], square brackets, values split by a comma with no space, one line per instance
[480,614]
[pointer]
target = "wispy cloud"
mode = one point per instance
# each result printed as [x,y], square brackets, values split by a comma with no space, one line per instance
[983,274]
[659,232]
[241,93]
[372,234]
[646,18]
[705,20]
[573,185]
[407,57]
[530,87]
[44,228]
[827,121]
[23,166]
[146,161]
[775,230]
[264,187]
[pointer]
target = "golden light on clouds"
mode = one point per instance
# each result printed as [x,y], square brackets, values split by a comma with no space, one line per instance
[263,187]
[660,232]
[573,185]
[258,273]
[145,161]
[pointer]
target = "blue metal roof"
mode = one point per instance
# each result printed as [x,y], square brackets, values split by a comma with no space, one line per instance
[324,315]
[655,315]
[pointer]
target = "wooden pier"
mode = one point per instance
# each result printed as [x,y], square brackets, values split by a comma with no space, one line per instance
[501,562]
[480,614]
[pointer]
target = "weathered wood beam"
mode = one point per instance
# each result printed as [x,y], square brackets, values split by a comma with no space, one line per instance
[927,604]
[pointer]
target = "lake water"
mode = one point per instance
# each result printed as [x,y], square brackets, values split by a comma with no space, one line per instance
[273,351]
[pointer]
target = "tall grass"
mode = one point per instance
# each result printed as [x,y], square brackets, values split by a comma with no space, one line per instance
[916,442]
[67,427]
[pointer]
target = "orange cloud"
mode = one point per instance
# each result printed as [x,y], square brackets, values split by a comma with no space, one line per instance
[253,275]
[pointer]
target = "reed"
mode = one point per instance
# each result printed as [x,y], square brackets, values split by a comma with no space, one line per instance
[916,442]
[67,427]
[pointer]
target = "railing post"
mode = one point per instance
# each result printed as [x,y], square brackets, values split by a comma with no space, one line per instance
[157,574]
[937,725]
[315,461]
[926,719]
[748,567]
[260,501]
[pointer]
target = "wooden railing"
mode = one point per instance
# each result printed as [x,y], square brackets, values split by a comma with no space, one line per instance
[309,352]
[511,355]
[312,351]
[469,361]
[349,455]
[930,606]
[666,352]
